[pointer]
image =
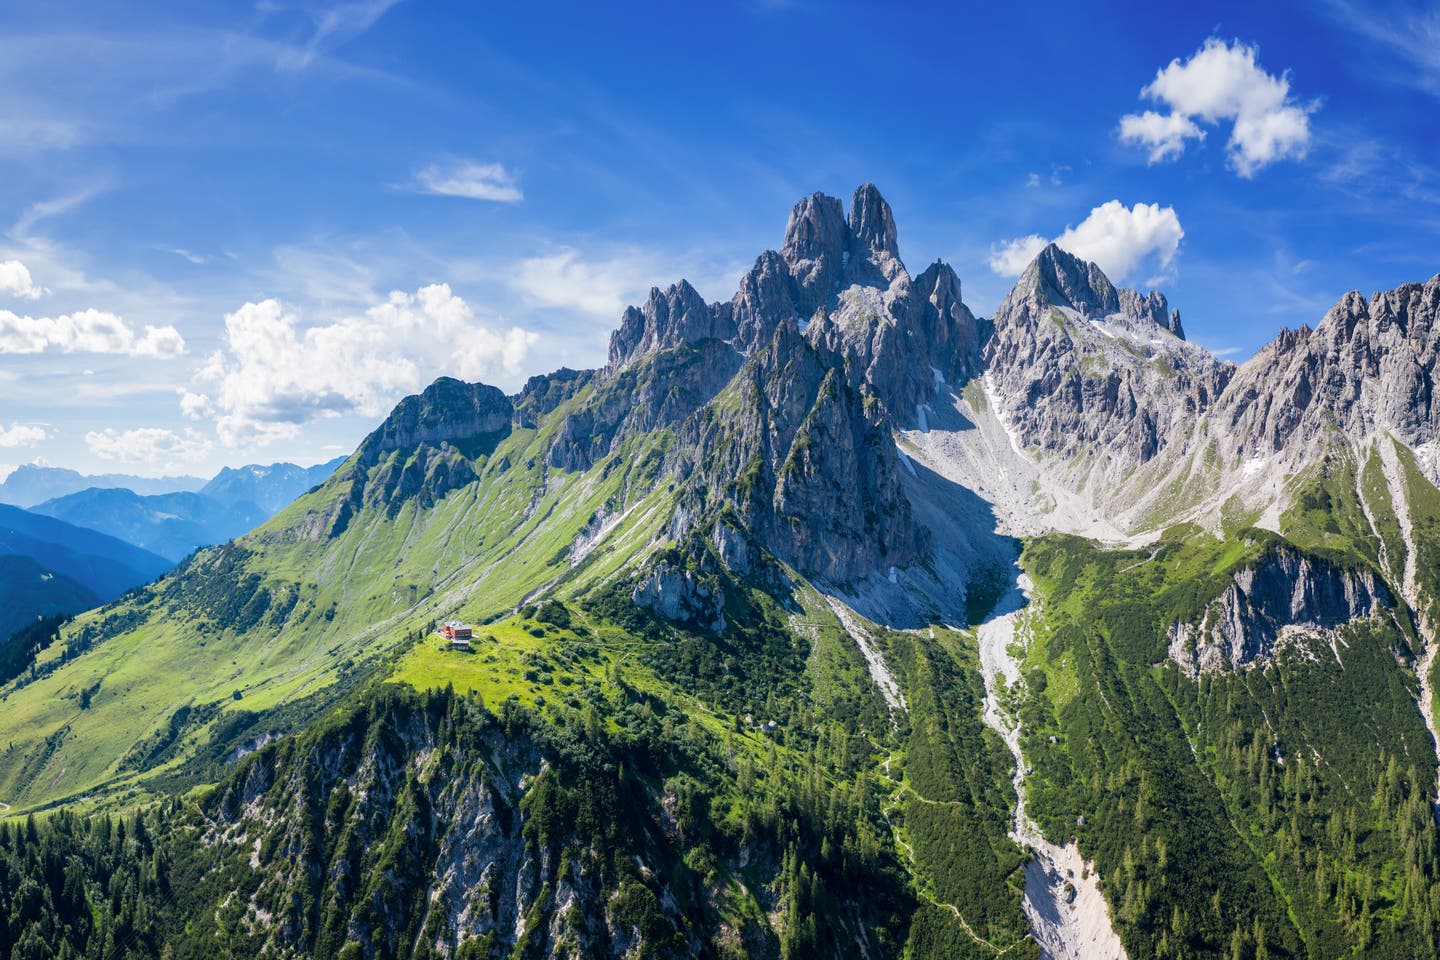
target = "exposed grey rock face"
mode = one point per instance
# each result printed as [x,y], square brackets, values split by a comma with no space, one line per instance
[1175,326]
[667,319]
[1084,369]
[897,336]
[543,393]
[1368,366]
[447,411]
[1286,590]
[800,445]
[672,592]
[661,389]
[805,463]
[816,241]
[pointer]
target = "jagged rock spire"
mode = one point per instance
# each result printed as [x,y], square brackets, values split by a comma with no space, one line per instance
[872,225]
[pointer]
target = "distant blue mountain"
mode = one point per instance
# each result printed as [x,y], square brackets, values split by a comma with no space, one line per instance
[102,564]
[31,484]
[28,591]
[173,525]
[170,524]
[271,487]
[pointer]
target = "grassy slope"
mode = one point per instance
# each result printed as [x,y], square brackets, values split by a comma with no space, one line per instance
[189,641]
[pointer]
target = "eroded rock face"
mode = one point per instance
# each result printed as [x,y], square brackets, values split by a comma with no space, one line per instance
[816,240]
[545,392]
[424,449]
[448,411]
[805,463]
[1286,591]
[661,389]
[898,338]
[1082,368]
[670,591]
[667,319]
[1369,366]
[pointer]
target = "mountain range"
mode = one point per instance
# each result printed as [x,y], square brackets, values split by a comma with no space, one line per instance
[31,483]
[174,524]
[828,620]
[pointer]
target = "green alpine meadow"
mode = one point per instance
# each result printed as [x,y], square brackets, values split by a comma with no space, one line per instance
[832,620]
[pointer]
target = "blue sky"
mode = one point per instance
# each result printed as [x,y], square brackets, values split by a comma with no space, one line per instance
[237,232]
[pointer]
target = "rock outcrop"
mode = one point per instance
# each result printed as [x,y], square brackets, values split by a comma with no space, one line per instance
[667,319]
[446,412]
[671,591]
[1287,591]
[545,392]
[661,389]
[426,448]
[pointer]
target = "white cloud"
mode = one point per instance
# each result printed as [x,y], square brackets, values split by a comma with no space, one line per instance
[194,406]
[1120,239]
[567,280]
[1222,82]
[86,331]
[21,435]
[474,181]
[1164,133]
[15,280]
[1010,258]
[274,375]
[148,445]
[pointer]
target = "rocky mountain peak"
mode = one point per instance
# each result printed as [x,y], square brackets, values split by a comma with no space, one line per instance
[668,318]
[872,225]
[1368,366]
[1064,280]
[816,229]
[448,411]
[424,449]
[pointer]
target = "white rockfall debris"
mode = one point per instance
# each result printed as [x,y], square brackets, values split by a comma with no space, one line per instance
[874,660]
[1068,915]
[1425,663]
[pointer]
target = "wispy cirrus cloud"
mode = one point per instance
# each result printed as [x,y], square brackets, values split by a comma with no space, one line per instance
[468,179]
[1409,34]
[333,25]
